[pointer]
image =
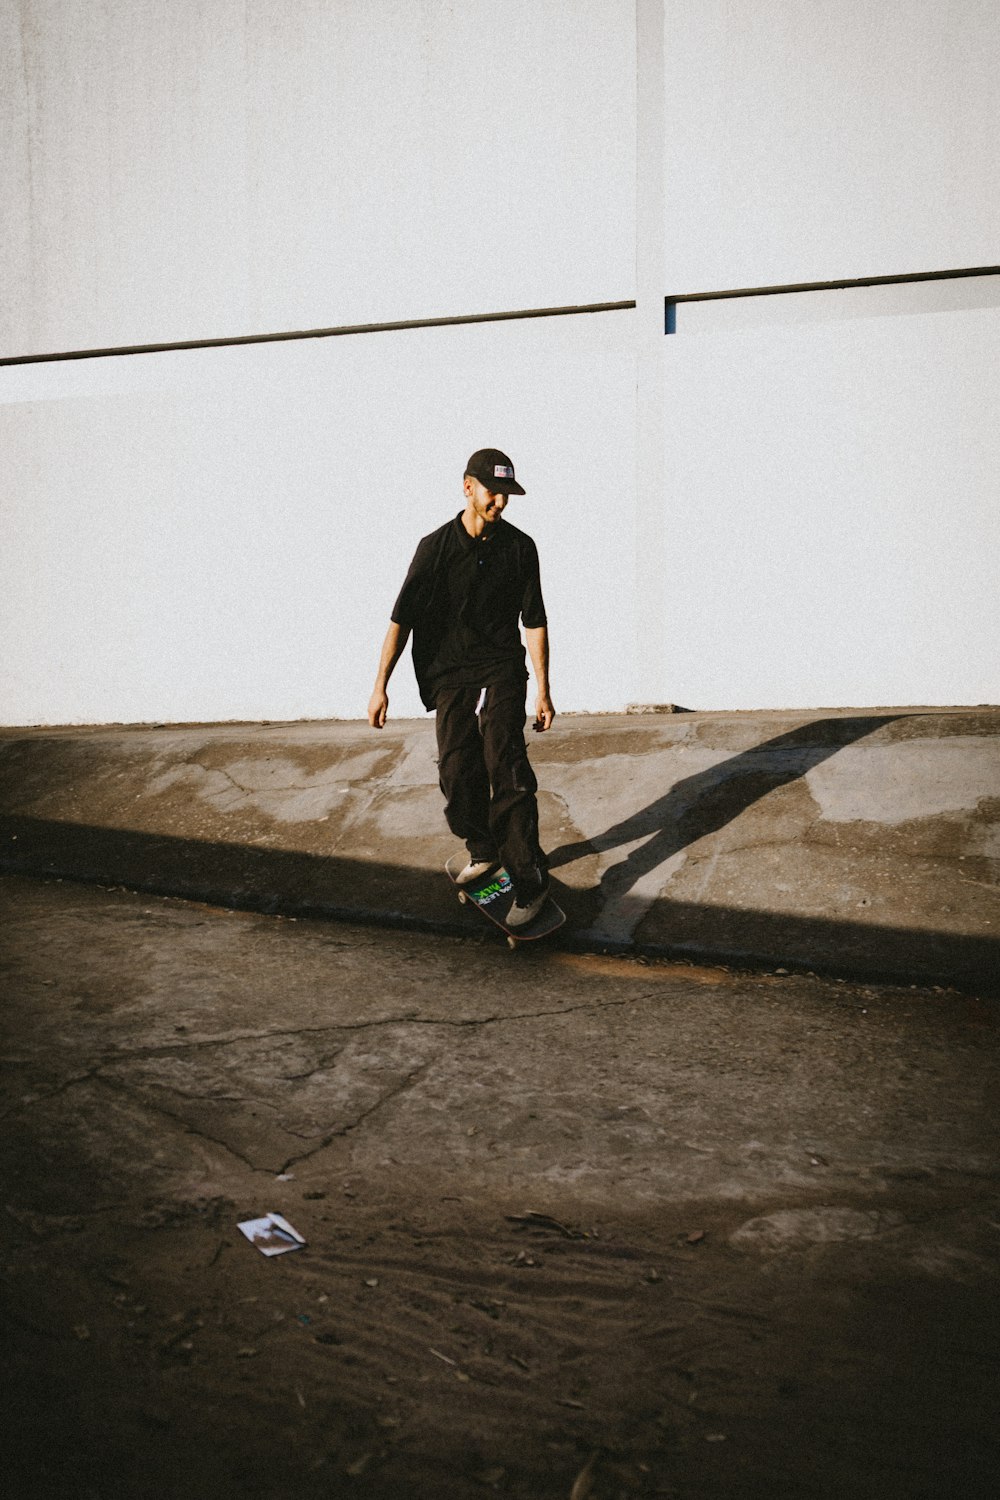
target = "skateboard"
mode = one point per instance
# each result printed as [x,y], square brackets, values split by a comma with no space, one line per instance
[494,896]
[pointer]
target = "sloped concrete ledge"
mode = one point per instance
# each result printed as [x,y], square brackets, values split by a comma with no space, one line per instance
[860,843]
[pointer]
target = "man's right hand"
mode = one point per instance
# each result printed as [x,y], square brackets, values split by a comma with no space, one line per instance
[396,638]
[378,707]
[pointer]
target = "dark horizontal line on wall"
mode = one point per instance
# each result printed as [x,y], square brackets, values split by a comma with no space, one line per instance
[832,286]
[317,333]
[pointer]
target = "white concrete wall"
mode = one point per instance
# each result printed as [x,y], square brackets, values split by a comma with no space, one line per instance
[210,168]
[816,141]
[220,534]
[768,517]
[829,466]
[835,520]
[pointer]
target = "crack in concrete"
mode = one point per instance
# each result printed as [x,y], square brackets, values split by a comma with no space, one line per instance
[188,1129]
[142,1054]
[321,1065]
[169,1088]
[144,1101]
[285,786]
[221,771]
[100,1071]
[344,1130]
[52,1093]
[353,815]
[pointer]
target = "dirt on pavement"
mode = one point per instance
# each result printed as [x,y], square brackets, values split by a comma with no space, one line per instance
[578,1226]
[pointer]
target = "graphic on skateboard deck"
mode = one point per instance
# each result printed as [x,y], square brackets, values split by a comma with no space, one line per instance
[494,896]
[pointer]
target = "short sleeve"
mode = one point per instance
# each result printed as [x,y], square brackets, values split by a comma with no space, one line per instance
[412,600]
[532,604]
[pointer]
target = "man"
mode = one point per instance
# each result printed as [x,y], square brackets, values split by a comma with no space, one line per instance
[469,583]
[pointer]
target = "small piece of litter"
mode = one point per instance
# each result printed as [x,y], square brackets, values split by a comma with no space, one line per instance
[272,1234]
[437,1355]
[371,1281]
[696,1236]
[285,1177]
[584,1483]
[545,1221]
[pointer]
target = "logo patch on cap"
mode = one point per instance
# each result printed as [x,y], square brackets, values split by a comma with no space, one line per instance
[503,471]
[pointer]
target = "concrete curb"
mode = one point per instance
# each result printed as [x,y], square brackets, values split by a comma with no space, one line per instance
[861,844]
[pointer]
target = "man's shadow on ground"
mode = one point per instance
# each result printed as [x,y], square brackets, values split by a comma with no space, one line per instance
[705,802]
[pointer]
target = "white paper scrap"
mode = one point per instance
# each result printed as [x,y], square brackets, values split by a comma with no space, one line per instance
[272,1234]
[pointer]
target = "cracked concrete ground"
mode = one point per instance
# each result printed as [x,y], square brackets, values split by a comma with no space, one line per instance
[708,1233]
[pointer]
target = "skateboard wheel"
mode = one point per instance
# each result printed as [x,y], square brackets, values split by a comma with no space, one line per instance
[462,897]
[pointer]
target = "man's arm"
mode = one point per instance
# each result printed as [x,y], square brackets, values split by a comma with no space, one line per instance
[392,649]
[538,650]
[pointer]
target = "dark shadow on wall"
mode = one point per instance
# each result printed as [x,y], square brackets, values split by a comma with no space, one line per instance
[331,887]
[705,802]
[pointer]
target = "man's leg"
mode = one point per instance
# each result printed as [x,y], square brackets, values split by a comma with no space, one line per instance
[513,806]
[462,771]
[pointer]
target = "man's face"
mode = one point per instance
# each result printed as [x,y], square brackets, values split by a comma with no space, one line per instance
[489,504]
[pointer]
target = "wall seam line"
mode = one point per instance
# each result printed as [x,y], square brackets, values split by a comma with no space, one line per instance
[341,331]
[834,286]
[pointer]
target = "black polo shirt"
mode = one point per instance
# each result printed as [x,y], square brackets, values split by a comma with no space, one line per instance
[462,598]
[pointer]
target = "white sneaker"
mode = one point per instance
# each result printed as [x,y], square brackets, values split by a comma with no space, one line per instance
[520,916]
[475,870]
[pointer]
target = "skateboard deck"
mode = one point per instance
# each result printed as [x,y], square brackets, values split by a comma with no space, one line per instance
[494,896]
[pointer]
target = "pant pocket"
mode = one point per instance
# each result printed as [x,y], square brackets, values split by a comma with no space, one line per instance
[523,778]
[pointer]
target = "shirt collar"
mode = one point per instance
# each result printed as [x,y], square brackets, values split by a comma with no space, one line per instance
[471,543]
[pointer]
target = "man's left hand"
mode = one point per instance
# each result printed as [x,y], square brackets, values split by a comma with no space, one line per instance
[544,713]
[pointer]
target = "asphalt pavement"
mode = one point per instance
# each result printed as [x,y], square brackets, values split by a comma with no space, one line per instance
[576,1223]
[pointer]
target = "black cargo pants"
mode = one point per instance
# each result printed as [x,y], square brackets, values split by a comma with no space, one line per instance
[489,787]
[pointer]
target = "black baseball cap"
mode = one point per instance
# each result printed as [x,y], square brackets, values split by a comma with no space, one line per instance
[495,470]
